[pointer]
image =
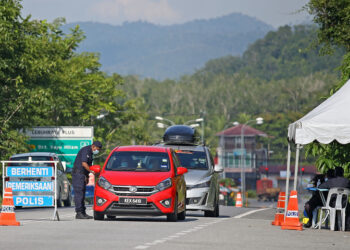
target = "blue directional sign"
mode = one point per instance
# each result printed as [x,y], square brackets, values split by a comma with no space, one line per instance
[30,186]
[33,201]
[29,171]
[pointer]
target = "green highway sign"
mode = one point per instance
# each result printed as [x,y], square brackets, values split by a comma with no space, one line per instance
[64,141]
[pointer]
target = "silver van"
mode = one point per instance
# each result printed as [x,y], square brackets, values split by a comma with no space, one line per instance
[202,178]
[63,185]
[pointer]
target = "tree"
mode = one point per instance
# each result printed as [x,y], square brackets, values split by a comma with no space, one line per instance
[44,82]
[333,18]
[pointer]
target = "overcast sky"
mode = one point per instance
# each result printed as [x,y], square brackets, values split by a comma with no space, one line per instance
[273,12]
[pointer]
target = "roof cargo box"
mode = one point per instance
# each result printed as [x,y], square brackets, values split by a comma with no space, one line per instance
[180,134]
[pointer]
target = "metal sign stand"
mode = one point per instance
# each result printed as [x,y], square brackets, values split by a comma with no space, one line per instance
[53,194]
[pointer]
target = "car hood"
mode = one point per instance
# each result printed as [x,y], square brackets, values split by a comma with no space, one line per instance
[193,177]
[135,178]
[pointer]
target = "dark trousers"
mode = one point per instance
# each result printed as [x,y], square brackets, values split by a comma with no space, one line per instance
[79,185]
[315,201]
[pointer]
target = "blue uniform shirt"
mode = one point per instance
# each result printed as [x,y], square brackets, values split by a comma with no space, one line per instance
[84,155]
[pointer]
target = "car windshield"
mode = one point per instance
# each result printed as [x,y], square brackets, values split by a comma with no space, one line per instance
[34,158]
[138,161]
[192,159]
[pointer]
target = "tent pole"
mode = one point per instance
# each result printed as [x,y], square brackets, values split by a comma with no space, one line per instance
[296,168]
[287,180]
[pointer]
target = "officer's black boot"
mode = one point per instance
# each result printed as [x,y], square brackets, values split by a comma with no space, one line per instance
[81,215]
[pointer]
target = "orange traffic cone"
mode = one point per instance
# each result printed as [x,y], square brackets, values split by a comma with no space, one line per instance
[7,216]
[292,217]
[239,200]
[279,216]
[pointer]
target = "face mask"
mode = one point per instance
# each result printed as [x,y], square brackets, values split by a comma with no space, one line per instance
[95,152]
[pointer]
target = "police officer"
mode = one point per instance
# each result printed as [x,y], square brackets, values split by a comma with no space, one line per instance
[80,176]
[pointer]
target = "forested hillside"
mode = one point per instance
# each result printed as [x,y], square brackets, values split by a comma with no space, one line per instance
[279,77]
[160,52]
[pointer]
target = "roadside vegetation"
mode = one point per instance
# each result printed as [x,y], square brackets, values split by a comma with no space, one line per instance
[45,82]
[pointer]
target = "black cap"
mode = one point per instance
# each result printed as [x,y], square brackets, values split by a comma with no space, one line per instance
[97,144]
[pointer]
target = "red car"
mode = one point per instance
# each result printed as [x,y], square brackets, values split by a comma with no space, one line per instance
[140,180]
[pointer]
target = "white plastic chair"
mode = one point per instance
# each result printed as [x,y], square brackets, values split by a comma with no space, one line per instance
[338,193]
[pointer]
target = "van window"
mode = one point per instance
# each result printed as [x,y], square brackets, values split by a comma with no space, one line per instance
[34,158]
[192,159]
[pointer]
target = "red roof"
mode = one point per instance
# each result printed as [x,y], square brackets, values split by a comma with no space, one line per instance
[236,131]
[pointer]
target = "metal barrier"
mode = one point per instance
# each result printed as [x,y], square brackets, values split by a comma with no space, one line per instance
[32,186]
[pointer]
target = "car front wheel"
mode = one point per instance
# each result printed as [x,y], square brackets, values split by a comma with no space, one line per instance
[99,215]
[173,216]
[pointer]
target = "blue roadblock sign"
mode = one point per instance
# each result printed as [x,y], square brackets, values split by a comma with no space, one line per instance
[33,201]
[31,186]
[29,171]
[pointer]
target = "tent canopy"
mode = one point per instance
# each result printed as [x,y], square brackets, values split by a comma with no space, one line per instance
[327,122]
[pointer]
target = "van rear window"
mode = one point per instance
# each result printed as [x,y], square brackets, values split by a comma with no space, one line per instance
[34,158]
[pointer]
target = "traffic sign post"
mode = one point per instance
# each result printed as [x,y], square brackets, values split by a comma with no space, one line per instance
[27,190]
[64,141]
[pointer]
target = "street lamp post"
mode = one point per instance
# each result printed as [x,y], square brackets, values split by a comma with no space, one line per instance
[198,120]
[159,118]
[258,121]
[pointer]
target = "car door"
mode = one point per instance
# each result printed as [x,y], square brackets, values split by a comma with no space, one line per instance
[213,180]
[180,182]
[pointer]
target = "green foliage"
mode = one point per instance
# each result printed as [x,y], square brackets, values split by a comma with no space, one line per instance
[330,156]
[280,77]
[251,193]
[44,82]
[333,18]
[227,182]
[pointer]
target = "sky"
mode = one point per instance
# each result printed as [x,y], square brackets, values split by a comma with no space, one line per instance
[165,12]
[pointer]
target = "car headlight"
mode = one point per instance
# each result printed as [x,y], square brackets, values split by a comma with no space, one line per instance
[102,182]
[164,184]
[202,185]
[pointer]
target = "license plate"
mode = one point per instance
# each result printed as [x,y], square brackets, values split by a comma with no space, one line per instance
[133,201]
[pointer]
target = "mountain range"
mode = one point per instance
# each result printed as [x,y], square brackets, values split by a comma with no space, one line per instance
[156,51]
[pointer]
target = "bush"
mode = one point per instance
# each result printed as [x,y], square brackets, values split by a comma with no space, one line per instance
[251,193]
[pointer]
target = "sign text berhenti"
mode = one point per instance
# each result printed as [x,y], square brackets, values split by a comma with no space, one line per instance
[30,186]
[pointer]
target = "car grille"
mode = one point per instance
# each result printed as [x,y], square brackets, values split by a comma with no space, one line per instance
[140,190]
[147,206]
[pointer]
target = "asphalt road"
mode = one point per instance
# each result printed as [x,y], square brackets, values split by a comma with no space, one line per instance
[236,228]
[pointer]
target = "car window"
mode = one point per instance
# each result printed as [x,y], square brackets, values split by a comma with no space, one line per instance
[138,161]
[192,159]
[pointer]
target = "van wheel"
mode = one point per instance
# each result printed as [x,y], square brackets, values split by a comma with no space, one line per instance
[99,216]
[173,216]
[214,213]
[68,202]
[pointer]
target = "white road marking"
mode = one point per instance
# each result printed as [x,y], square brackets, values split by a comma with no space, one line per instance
[248,213]
[141,247]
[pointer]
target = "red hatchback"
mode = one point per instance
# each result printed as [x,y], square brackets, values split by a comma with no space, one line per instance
[141,180]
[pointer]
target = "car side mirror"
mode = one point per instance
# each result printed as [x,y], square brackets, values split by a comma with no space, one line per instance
[181,170]
[96,168]
[218,169]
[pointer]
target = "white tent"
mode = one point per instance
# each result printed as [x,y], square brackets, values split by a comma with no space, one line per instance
[327,122]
